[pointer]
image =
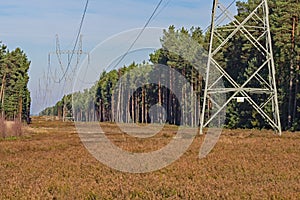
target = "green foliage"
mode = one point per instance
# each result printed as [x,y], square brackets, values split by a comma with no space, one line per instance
[239,59]
[14,95]
[284,17]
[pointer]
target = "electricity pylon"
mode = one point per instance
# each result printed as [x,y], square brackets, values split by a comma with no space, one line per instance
[258,89]
[67,75]
[69,53]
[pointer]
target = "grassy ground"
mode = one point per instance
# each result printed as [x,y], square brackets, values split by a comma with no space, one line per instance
[50,162]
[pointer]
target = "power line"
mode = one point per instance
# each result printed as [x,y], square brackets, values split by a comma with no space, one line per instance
[65,72]
[76,41]
[139,35]
[164,6]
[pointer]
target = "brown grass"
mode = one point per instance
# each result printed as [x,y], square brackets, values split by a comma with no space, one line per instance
[2,128]
[17,128]
[52,163]
[11,128]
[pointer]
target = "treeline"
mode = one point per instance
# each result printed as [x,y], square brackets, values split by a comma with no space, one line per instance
[124,95]
[98,103]
[14,94]
[121,96]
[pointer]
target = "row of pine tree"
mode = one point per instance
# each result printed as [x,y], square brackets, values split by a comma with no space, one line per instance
[14,95]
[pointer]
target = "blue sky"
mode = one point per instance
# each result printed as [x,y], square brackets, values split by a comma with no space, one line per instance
[33,24]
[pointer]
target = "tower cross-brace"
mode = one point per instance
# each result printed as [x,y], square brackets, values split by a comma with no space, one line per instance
[255,28]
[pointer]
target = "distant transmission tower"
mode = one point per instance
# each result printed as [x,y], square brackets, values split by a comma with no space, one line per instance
[65,69]
[258,89]
[69,53]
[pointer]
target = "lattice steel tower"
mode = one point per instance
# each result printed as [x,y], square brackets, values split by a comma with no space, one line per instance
[69,70]
[258,87]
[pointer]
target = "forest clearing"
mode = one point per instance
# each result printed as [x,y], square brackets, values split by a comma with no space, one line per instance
[50,162]
[222,96]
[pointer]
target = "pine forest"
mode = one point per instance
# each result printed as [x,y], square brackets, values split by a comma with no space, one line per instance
[14,95]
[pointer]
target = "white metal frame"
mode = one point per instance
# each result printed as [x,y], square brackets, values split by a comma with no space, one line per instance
[262,43]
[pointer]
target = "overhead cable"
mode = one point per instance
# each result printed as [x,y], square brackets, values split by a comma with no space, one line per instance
[138,36]
[76,42]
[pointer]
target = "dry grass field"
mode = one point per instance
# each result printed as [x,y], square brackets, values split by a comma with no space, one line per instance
[50,162]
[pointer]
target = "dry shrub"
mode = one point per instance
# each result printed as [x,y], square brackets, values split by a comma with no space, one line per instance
[2,127]
[17,128]
[55,164]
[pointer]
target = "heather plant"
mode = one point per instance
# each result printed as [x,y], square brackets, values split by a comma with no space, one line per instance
[2,128]
[17,128]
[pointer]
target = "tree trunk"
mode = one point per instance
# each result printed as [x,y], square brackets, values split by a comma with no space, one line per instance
[119,109]
[159,101]
[112,108]
[136,108]
[192,105]
[296,92]
[2,95]
[132,107]
[170,99]
[295,24]
[143,105]
[128,107]
[100,111]
[64,112]
[2,103]
[291,95]
[2,86]
[20,109]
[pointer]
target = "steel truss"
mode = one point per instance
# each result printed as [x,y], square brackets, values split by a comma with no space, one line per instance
[67,77]
[255,28]
[58,52]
